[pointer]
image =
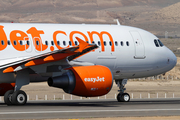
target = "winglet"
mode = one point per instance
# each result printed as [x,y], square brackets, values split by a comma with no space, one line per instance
[82,44]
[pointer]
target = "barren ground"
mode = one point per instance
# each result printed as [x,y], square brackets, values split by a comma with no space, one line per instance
[162,15]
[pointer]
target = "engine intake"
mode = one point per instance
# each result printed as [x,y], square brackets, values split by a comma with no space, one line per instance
[67,82]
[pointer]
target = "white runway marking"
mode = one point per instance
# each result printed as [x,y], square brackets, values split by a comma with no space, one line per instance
[88,111]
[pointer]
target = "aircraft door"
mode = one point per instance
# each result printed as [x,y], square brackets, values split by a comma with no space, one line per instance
[139,45]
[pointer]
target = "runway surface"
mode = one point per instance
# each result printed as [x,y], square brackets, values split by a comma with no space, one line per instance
[72,109]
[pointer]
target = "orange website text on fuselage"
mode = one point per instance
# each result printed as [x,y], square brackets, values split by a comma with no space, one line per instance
[17,36]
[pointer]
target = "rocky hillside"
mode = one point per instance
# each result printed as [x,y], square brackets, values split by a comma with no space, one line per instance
[71,11]
[129,12]
[170,14]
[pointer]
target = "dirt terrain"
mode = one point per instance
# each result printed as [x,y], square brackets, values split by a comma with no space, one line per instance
[162,15]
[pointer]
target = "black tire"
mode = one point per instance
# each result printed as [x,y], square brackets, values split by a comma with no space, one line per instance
[125,97]
[8,97]
[119,97]
[19,97]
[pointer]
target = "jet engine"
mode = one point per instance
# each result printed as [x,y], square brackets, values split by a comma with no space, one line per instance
[4,87]
[86,81]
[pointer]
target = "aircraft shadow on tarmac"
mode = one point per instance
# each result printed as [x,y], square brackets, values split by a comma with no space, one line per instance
[99,103]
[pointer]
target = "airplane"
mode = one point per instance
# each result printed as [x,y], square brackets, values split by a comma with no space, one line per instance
[81,59]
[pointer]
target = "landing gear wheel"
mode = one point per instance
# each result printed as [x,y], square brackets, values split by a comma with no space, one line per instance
[119,97]
[8,97]
[19,97]
[123,97]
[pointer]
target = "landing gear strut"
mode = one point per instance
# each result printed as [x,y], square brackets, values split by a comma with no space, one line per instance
[122,97]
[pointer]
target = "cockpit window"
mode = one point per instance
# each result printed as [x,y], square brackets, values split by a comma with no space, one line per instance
[160,43]
[156,43]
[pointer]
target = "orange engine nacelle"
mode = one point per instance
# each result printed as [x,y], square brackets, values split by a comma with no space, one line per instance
[4,87]
[87,81]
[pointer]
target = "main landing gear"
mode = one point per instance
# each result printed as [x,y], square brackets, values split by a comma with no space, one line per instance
[122,97]
[18,97]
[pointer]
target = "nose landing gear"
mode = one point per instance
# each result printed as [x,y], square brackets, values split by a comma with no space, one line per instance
[122,97]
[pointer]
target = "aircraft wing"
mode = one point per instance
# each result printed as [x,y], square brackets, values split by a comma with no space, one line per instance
[70,53]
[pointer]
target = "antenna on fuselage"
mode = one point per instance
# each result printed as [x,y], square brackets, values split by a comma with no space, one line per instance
[118,23]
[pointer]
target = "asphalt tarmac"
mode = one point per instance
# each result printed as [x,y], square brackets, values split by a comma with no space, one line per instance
[73,109]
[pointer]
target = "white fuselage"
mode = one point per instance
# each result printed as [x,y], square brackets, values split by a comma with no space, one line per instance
[129,52]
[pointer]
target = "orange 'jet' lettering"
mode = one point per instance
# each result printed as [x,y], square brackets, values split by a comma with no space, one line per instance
[16,37]
[37,38]
[3,38]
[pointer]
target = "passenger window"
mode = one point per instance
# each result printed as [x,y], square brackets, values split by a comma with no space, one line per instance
[37,42]
[46,42]
[160,43]
[104,43]
[14,42]
[64,43]
[99,43]
[122,43]
[70,43]
[76,43]
[110,43]
[2,42]
[58,42]
[127,43]
[116,43]
[52,43]
[21,43]
[27,42]
[156,43]
[9,43]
